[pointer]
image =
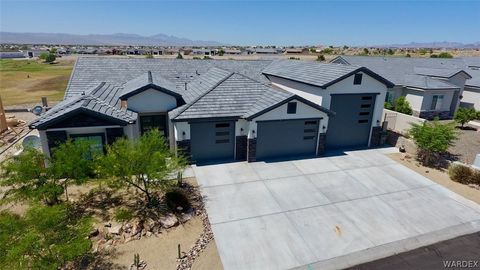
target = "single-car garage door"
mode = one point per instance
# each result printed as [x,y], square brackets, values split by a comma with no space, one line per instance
[350,127]
[212,141]
[286,138]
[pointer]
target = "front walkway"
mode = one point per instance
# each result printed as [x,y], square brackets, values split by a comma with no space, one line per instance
[327,213]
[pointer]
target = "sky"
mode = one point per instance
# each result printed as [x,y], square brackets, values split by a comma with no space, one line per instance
[266,22]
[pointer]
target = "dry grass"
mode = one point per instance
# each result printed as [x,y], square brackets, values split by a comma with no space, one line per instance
[26,81]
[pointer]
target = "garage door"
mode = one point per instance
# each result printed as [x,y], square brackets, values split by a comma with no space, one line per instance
[212,141]
[290,138]
[350,127]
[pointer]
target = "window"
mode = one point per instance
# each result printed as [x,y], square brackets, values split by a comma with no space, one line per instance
[222,125]
[389,97]
[292,108]
[222,133]
[364,113]
[96,142]
[148,122]
[437,101]
[357,79]
[307,123]
[365,105]
[367,98]
[362,121]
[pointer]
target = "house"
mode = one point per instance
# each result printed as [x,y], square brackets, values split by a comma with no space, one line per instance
[434,87]
[6,55]
[220,109]
[471,92]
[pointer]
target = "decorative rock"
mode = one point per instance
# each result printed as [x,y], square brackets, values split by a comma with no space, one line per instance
[108,224]
[184,217]
[94,233]
[148,234]
[168,221]
[117,229]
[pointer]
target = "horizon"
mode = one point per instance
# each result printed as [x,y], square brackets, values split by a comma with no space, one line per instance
[282,23]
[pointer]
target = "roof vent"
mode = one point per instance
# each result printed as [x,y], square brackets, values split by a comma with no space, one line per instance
[83,93]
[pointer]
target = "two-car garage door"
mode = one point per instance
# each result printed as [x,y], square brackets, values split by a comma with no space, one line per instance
[286,138]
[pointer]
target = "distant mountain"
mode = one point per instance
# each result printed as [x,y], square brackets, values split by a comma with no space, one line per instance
[442,44]
[106,39]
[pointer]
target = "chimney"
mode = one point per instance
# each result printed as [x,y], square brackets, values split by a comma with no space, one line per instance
[123,104]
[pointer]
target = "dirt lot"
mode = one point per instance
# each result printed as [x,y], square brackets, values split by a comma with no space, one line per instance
[26,81]
[467,145]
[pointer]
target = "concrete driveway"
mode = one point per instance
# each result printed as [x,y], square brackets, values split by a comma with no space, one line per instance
[327,213]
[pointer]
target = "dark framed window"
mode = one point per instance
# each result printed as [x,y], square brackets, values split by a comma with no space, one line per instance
[222,133]
[358,78]
[292,108]
[362,121]
[365,105]
[364,113]
[95,140]
[367,97]
[222,125]
[148,122]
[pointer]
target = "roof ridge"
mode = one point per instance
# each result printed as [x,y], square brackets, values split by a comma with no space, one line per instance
[149,76]
[205,93]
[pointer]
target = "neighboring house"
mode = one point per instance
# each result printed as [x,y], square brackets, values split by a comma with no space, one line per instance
[220,109]
[6,55]
[433,87]
[471,93]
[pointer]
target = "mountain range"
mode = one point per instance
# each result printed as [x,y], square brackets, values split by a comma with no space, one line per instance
[442,44]
[101,39]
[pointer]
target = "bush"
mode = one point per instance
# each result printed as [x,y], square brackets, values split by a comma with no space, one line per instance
[179,56]
[123,214]
[149,56]
[46,238]
[459,173]
[432,140]
[387,105]
[445,55]
[206,57]
[403,106]
[176,198]
[475,177]
[465,115]
[50,58]
[321,58]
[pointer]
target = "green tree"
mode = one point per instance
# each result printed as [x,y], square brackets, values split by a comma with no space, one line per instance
[53,50]
[149,56]
[465,115]
[46,238]
[146,164]
[43,55]
[403,106]
[432,140]
[408,55]
[445,55]
[221,52]
[27,178]
[387,105]
[50,58]
[321,58]
[72,161]
[391,52]
[179,56]
[433,56]
[365,51]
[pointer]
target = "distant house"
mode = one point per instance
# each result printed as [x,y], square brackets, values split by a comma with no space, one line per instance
[295,50]
[206,52]
[471,92]
[6,55]
[267,51]
[433,87]
[34,53]
[232,51]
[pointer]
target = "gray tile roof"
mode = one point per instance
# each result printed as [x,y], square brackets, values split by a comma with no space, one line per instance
[102,99]
[145,80]
[425,82]
[396,69]
[232,96]
[90,71]
[315,73]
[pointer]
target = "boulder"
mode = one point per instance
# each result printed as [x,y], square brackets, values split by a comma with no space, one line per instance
[117,229]
[168,221]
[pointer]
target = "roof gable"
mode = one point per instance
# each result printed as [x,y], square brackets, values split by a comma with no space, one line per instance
[149,81]
[317,74]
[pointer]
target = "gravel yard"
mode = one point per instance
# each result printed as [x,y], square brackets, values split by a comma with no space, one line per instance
[467,145]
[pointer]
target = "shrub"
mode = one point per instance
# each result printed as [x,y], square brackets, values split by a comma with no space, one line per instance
[432,140]
[460,173]
[465,115]
[321,57]
[408,55]
[179,56]
[47,237]
[206,57]
[176,198]
[403,106]
[445,55]
[387,105]
[123,214]
[50,58]
[475,177]
[149,56]
[433,56]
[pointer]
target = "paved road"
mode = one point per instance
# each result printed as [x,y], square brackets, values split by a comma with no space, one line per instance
[327,213]
[465,249]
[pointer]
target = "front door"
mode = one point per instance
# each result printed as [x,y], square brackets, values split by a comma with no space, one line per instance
[148,122]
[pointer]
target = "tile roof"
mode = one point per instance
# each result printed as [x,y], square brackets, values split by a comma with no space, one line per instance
[90,71]
[145,80]
[102,99]
[396,69]
[314,73]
